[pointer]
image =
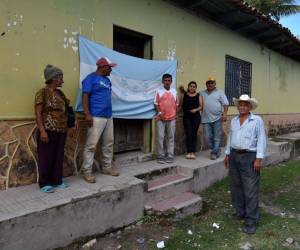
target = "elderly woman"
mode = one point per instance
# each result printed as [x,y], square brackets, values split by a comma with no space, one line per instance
[51,109]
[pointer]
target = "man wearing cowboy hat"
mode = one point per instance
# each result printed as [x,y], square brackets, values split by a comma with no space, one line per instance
[97,106]
[245,150]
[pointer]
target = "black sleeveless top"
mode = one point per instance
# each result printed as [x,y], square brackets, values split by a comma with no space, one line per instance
[190,102]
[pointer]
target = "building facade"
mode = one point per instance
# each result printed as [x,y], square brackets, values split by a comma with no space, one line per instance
[35,33]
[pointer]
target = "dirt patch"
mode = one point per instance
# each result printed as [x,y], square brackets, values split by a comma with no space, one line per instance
[135,237]
[278,212]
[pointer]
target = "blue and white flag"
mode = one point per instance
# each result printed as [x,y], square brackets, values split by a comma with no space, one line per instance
[134,80]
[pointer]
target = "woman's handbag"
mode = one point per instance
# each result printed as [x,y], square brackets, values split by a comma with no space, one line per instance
[71,117]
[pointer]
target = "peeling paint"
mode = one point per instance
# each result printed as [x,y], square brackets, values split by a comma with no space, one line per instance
[70,40]
[74,48]
[171,53]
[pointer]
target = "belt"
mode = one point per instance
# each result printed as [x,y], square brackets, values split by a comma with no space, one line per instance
[241,151]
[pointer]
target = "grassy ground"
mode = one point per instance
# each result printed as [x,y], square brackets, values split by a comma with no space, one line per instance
[280,191]
[279,220]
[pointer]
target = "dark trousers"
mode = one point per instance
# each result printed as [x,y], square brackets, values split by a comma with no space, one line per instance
[191,125]
[50,158]
[244,185]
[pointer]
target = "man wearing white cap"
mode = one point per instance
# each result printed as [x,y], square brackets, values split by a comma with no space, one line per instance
[97,106]
[245,150]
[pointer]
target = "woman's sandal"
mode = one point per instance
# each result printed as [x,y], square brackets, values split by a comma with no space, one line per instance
[62,185]
[47,189]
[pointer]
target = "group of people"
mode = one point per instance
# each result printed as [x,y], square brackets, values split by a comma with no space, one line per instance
[244,152]
[51,109]
[211,102]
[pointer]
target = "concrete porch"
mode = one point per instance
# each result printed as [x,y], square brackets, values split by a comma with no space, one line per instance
[32,220]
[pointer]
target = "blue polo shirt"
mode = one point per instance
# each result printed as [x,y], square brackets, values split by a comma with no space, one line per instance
[99,88]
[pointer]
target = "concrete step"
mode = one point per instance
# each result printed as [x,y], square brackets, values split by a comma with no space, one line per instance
[179,206]
[166,180]
[277,152]
[126,159]
[164,187]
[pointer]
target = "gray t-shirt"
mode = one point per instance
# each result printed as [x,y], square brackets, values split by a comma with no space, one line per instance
[213,105]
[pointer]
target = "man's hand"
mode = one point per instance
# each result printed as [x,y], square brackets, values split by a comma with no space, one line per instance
[89,120]
[161,115]
[257,165]
[44,137]
[226,161]
[224,117]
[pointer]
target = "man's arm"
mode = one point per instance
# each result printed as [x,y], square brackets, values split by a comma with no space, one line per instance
[225,104]
[86,109]
[227,149]
[261,145]
[224,115]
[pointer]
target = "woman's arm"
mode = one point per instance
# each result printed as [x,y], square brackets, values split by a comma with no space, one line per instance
[201,103]
[40,124]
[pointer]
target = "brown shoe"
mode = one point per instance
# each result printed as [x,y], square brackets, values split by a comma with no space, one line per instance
[193,156]
[110,171]
[88,177]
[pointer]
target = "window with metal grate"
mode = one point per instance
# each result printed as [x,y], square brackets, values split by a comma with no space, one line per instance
[238,77]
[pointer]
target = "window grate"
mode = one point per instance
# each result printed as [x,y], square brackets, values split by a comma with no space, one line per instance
[238,78]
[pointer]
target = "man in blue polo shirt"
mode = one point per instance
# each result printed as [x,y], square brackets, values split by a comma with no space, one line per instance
[97,106]
[213,115]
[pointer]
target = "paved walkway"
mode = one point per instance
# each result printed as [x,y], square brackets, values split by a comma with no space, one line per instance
[29,219]
[28,199]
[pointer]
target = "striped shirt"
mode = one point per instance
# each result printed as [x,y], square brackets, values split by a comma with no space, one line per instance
[250,136]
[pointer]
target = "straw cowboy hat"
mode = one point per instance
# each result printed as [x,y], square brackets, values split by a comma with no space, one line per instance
[245,98]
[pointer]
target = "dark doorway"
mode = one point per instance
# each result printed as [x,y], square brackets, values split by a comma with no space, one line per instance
[132,134]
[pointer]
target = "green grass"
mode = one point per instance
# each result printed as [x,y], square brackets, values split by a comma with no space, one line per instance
[280,187]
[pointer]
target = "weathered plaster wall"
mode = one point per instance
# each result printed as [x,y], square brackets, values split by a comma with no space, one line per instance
[18,159]
[34,33]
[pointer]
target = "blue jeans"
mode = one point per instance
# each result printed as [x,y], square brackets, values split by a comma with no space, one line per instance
[244,185]
[213,133]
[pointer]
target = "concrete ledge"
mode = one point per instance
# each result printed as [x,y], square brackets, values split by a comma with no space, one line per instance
[294,141]
[31,220]
[64,219]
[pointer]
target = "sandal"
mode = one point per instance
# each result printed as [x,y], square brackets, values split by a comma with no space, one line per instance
[62,185]
[47,189]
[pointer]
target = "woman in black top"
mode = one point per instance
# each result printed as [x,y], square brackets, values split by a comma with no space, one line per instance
[192,103]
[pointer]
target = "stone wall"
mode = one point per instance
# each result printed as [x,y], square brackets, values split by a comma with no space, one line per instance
[18,159]
[274,124]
